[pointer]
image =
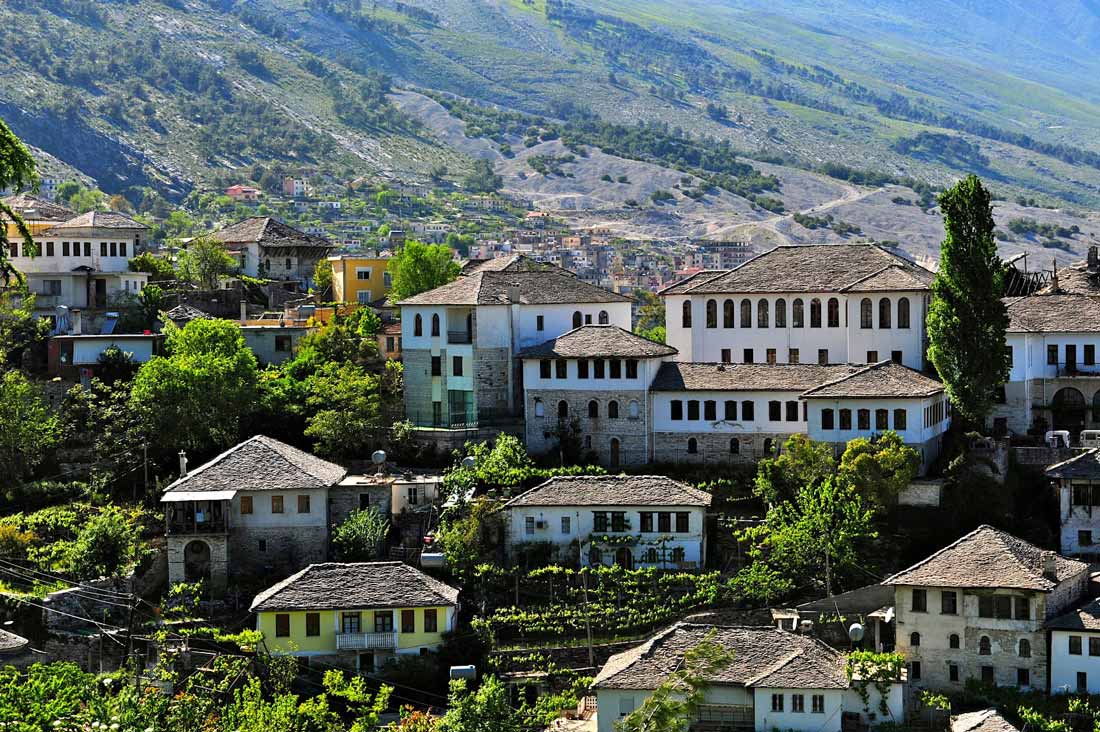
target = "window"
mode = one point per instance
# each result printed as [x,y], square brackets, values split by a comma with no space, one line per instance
[616,368]
[903,312]
[635,409]
[952,672]
[364,501]
[746,314]
[792,355]
[845,419]
[899,419]
[87,248]
[603,318]
[563,409]
[529,525]
[834,313]
[693,409]
[49,249]
[599,521]
[588,318]
[914,639]
[865,313]
[685,314]
[827,419]
[712,313]
[863,419]
[746,356]
[645,521]
[618,521]
[882,419]
[593,409]
[792,411]
[664,522]
[1094,646]
[949,603]
[798,703]
[578,319]
[456,366]
[313,624]
[984,646]
[288,263]
[14,247]
[896,356]
[431,620]
[953,640]
[796,313]
[884,312]
[437,365]
[418,326]
[408,621]
[872,357]
[561,369]
[777,702]
[727,314]
[383,621]
[246,505]
[914,671]
[582,369]
[1021,608]
[303,504]
[544,369]
[710,410]
[768,442]
[1082,682]
[276,504]
[362,273]
[823,356]
[613,409]
[282,625]
[1052,355]
[988,677]
[437,413]
[103,249]
[631,369]
[769,356]
[1090,354]
[540,323]
[727,356]
[435,324]
[762,314]
[735,446]
[1002,607]
[565,525]
[748,411]
[693,446]
[263,545]
[599,369]
[1024,650]
[64,249]
[682,522]
[780,313]
[775,411]
[676,410]
[1011,355]
[818,703]
[1084,538]
[730,411]
[815,313]
[919,602]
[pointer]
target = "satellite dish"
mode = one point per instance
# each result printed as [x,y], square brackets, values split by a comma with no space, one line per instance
[855,632]
[469,462]
[378,457]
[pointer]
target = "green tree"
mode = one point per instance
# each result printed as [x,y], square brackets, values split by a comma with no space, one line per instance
[16,172]
[482,179]
[470,536]
[360,537]
[322,276]
[196,396]
[460,243]
[419,267]
[483,710]
[105,546]
[348,418]
[28,428]
[967,319]
[204,262]
[158,268]
[802,462]
[20,329]
[878,470]
[651,316]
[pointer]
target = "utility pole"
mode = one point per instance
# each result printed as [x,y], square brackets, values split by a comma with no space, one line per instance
[587,624]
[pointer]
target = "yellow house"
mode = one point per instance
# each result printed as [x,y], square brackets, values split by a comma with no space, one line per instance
[359,615]
[38,214]
[359,279]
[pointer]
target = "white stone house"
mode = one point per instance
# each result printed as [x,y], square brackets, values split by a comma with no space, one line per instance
[1077,482]
[1075,651]
[837,303]
[629,520]
[978,609]
[775,680]
[268,248]
[600,376]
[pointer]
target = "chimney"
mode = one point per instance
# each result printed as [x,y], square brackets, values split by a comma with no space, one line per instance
[1094,258]
[513,294]
[76,323]
[183,464]
[244,311]
[1050,566]
[1054,278]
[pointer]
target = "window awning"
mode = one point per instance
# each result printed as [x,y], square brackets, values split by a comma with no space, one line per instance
[177,496]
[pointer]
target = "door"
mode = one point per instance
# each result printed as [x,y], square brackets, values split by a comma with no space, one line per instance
[614,452]
[624,558]
[101,293]
[196,561]
[1071,357]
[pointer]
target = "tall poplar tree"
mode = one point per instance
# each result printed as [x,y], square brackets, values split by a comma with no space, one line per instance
[967,319]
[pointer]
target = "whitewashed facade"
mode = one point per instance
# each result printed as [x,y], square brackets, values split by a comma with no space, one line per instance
[1075,651]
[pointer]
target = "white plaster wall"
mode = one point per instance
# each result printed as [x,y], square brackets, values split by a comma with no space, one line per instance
[493,326]
[805,721]
[262,517]
[662,421]
[87,350]
[610,703]
[676,335]
[60,263]
[1064,667]
[647,369]
[895,704]
[558,319]
[1074,519]
[914,433]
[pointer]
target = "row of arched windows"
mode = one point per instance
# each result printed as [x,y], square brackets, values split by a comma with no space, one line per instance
[730,311]
[885,308]
[985,646]
[580,319]
[633,409]
[418,325]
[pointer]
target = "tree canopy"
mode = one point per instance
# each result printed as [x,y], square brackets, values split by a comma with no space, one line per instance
[419,267]
[204,262]
[28,427]
[17,171]
[482,179]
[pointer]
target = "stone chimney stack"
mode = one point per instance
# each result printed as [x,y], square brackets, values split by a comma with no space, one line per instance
[1094,258]
[183,464]
[1050,566]
[513,294]
[244,311]
[77,325]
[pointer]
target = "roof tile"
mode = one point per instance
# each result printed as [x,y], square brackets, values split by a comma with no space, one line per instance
[598,341]
[681,376]
[332,586]
[879,380]
[261,463]
[611,490]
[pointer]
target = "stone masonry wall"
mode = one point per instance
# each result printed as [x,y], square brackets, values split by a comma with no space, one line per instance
[491,367]
[631,433]
[342,500]
[219,560]
[287,550]
[418,385]
[714,447]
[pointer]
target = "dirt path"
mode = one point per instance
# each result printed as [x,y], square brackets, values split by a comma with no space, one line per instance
[770,224]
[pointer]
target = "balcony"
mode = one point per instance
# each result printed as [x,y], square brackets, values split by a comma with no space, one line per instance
[460,337]
[43,300]
[189,525]
[1078,370]
[366,641]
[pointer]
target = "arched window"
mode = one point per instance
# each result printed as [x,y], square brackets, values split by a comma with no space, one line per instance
[593,409]
[650,556]
[953,640]
[780,313]
[815,313]
[563,409]
[435,324]
[727,314]
[613,409]
[1025,648]
[418,325]
[834,312]
[693,446]
[914,639]
[685,317]
[796,313]
[634,410]
[578,319]
[746,313]
[735,446]
[903,312]
[984,647]
[540,408]
[884,313]
[865,313]
[604,318]
[762,314]
[712,313]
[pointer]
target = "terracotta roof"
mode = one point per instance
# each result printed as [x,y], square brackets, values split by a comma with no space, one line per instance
[679,376]
[10,642]
[698,278]
[532,288]
[1083,618]
[598,341]
[989,558]
[879,380]
[33,208]
[818,268]
[362,585]
[987,720]
[268,232]
[391,329]
[261,463]
[98,220]
[612,490]
[1082,465]
[763,656]
[1054,314]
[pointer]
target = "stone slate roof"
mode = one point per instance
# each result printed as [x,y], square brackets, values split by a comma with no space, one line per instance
[361,585]
[987,720]
[879,380]
[10,642]
[261,463]
[611,490]
[818,268]
[511,263]
[1084,618]
[185,313]
[98,220]
[989,558]
[1084,465]
[1074,279]
[681,287]
[677,376]
[763,656]
[33,208]
[270,233]
[1054,314]
[533,288]
[598,341]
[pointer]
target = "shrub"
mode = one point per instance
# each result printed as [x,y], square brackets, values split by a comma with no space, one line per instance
[104,546]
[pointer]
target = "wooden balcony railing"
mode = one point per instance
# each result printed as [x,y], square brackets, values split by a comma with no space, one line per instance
[366,641]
